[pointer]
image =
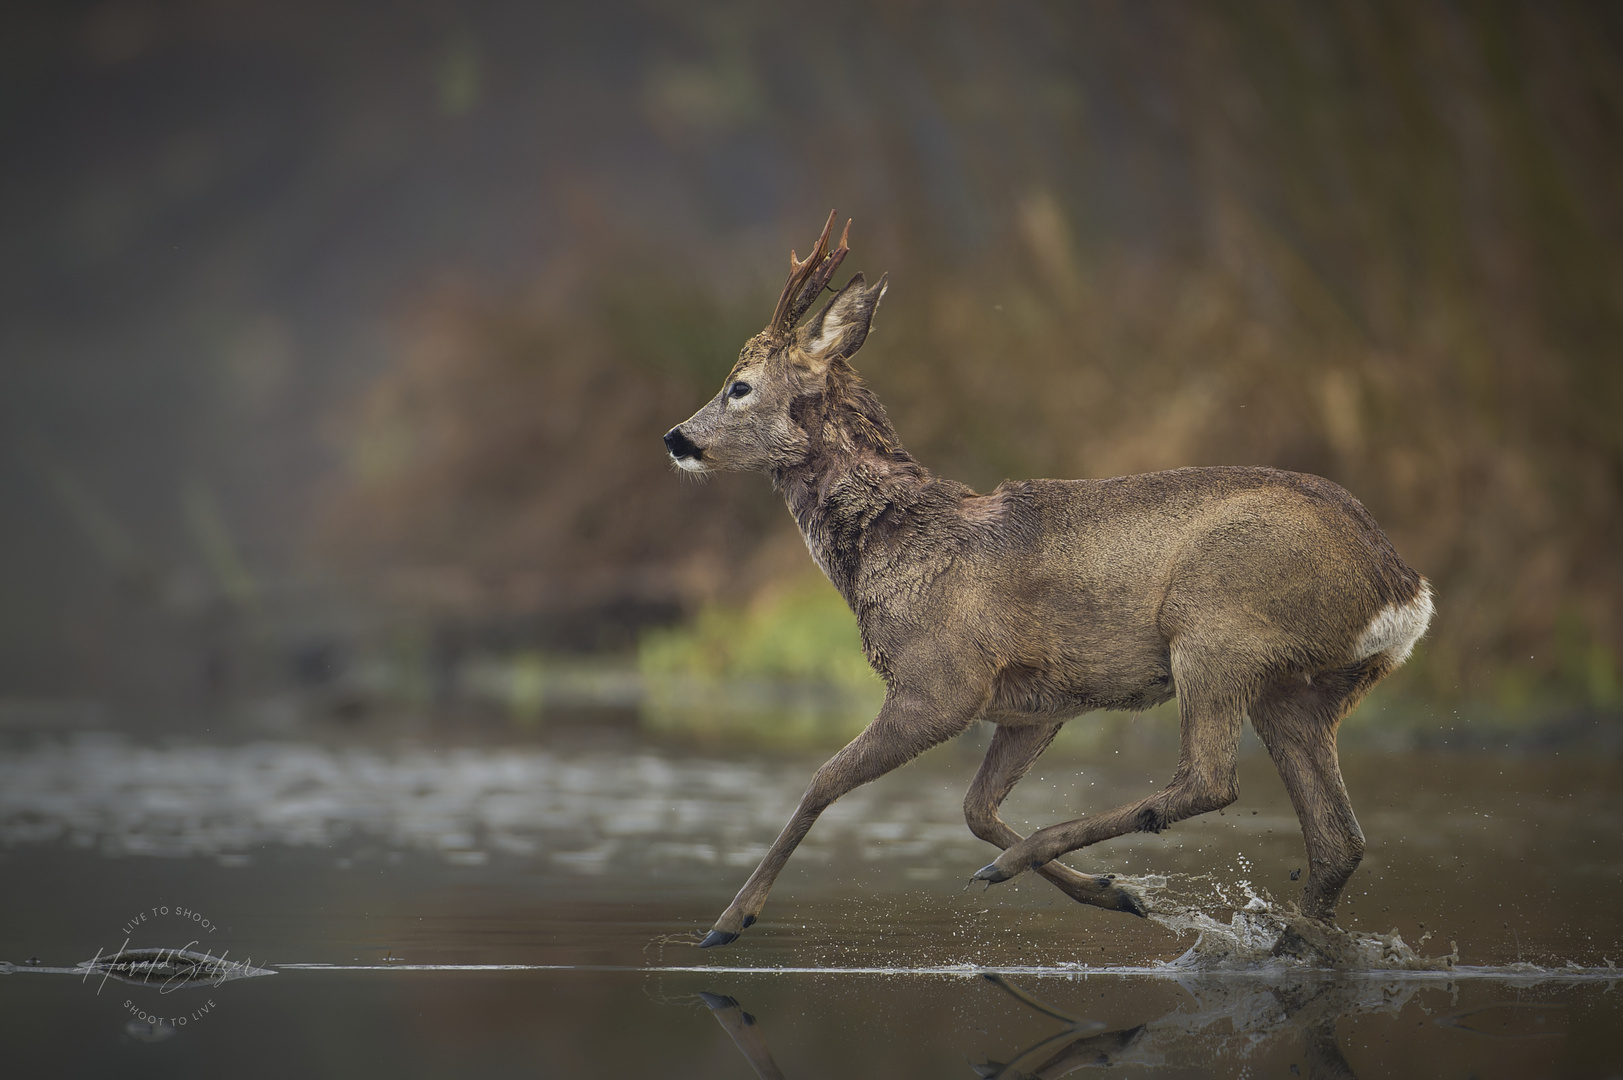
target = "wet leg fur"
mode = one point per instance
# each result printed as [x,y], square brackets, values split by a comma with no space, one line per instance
[1011,755]
[1297,721]
[1211,708]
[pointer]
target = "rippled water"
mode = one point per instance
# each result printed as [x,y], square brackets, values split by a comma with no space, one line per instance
[528,910]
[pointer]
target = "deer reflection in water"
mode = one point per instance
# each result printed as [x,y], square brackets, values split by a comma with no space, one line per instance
[745,1033]
[1256,1011]
[1230,1015]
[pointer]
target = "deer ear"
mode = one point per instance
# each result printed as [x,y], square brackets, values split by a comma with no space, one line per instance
[838,331]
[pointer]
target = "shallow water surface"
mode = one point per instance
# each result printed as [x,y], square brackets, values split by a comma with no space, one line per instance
[529,910]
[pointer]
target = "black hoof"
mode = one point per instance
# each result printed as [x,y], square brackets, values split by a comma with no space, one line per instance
[991,873]
[717,937]
[715,1002]
[1132,905]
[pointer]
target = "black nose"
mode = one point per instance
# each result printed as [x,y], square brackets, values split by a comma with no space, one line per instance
[680,445]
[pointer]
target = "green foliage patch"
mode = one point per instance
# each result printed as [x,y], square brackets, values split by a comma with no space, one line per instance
[786,669]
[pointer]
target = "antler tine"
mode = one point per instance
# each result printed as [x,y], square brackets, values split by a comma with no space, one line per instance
[820,279]
[808,277]
[820,247]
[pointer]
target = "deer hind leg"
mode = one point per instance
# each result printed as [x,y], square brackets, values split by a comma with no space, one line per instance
[1211,710]
[1297,722]
[1011,754]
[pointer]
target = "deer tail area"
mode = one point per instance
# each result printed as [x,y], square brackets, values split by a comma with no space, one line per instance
[1396,627]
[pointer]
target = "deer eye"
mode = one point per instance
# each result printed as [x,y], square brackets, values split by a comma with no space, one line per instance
[739,389]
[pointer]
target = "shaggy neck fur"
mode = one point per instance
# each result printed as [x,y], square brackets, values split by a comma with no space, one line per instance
[856,484]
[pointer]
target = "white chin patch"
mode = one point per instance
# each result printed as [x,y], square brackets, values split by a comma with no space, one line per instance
[690,464]
[1396,627]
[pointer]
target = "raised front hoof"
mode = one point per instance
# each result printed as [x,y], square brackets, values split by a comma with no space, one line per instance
[991,873]
[717,937]
[717,1002]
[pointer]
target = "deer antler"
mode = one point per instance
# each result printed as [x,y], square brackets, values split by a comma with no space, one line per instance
[808,278]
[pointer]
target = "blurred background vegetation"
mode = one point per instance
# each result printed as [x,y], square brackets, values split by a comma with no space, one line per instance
[338,337]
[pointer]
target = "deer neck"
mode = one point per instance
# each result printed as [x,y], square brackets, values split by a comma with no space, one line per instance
[855,487]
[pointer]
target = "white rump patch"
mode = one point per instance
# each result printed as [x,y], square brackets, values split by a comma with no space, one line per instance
[1396,627]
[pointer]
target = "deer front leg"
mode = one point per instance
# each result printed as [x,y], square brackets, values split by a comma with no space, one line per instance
[745,1033]
[907,725]
[1011,755]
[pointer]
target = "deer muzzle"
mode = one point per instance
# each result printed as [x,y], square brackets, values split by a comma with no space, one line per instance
[683,449]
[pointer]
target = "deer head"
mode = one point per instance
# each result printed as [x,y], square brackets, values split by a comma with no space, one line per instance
[757,421]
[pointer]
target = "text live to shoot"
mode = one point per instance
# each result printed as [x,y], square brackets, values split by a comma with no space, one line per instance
[166,969]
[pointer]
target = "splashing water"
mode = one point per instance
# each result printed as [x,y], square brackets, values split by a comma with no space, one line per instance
[1263,934]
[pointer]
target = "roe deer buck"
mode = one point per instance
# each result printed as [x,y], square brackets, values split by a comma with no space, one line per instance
[1239,590]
